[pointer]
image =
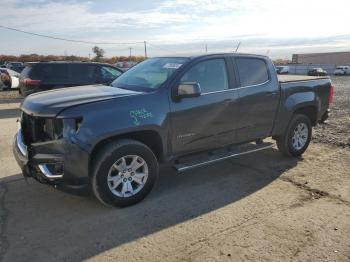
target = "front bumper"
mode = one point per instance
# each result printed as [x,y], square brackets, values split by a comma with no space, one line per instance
[42,160]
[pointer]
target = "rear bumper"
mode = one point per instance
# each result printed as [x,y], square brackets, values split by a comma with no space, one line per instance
[56,162]
[325,116]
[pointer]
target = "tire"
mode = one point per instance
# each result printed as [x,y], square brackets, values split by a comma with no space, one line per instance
[110,170]
[295,144]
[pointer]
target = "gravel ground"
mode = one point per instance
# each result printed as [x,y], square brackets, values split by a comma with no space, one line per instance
[9,96]
[336,130]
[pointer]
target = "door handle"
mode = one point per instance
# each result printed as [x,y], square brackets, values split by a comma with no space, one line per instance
[271,94]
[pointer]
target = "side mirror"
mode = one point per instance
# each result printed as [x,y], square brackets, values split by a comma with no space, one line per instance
[188,89]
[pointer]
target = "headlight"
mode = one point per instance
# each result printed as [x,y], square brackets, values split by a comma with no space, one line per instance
[71,126]
[53,128]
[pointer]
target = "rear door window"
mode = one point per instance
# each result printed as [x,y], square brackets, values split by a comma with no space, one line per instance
[85,74]
[50,73]
[252,71]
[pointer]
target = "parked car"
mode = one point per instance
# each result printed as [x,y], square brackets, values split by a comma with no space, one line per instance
[342,70]
[43,76]
[126,65]
[5,81]
[317,72]
[15,66]
[9,78]
[186,112]
[282,70]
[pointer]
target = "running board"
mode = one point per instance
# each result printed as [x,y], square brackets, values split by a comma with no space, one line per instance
[194,161]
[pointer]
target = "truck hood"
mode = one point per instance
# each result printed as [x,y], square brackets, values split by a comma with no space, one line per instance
[51,103]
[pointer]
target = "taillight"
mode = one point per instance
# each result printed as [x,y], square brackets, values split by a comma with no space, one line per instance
[331,95]
[31,83]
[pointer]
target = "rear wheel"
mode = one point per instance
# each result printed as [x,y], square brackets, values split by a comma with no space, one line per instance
[124,173]
[297,137]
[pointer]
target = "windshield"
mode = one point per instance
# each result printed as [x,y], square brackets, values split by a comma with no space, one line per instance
[150,74]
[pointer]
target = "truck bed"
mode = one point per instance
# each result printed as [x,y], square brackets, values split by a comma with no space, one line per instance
[296,78]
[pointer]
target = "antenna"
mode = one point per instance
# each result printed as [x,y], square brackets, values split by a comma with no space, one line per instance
[239,44]
[130,48]
[145,44]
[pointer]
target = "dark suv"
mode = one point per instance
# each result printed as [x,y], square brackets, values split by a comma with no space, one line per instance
[42,76]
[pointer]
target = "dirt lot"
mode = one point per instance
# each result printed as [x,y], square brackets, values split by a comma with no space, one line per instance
[260,207]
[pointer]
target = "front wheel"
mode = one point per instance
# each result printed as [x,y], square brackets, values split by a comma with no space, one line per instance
[124,173]
[297,137]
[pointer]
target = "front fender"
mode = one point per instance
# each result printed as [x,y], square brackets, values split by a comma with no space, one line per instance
[116,117]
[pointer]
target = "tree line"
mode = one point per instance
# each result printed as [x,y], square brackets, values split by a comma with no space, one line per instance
[99,57]
[44,58]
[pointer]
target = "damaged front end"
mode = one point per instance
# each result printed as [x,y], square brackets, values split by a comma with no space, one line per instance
[45,150]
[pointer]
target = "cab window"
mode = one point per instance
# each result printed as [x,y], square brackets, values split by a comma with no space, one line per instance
[210,74]
[252,71]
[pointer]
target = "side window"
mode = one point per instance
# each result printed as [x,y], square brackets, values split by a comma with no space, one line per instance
[57,73]
[210,74]
[109,73]
[252,71]
[84,73]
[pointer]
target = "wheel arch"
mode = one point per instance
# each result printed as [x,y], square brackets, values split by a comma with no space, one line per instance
[310,111]
[307,103]
[150,138]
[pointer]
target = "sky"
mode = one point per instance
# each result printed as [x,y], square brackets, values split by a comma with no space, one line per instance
[176,27]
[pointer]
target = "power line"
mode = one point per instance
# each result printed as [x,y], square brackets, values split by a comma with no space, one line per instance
[89,42]
[162,48]
[69,40]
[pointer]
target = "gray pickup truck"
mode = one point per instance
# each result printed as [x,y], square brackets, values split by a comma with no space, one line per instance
[184,111]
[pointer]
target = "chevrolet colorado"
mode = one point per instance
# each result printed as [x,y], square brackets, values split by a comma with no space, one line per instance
[184,111]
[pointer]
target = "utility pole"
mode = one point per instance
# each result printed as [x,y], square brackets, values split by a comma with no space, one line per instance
[130,48]
[239,44]
[206,48]
[145,43]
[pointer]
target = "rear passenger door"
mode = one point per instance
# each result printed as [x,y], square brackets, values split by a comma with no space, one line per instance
[258,98]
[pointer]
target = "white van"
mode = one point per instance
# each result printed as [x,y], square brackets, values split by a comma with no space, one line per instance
[342,70]
[282,70]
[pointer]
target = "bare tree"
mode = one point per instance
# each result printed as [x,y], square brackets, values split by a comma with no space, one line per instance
[99,52]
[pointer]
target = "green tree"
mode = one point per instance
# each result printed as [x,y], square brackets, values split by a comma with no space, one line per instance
[99,53]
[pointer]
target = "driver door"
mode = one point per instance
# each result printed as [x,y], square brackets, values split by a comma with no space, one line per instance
[208,121]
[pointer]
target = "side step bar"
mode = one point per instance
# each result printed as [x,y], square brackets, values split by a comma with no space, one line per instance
[200,160]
